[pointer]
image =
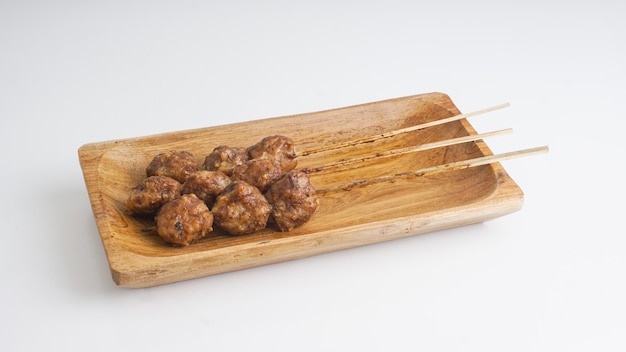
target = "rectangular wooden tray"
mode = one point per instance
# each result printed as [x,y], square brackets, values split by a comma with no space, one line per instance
[344,219]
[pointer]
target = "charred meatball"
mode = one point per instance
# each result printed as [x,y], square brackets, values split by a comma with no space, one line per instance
[279,148]
[207,185]
[175,164]
[241,209]
[260,173]
[293,200]
[225,159]
[184,220]
[151,194]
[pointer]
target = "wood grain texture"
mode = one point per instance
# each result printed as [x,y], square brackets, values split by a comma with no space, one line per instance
[345,219]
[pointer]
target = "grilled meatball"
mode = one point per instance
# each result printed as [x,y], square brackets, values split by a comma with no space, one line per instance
[279,148]
[175,164]
[184,220]
[225,159]
[151,194]
[241,209]
[293,200]
[207,185]
[260,173]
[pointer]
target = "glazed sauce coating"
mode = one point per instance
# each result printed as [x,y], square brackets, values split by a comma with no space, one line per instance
[293,200]
[279,148]
[175,164]
[225,159]
[207,185]
[151,194]
[260,173]
[240,190]
[241,209]
[183,221]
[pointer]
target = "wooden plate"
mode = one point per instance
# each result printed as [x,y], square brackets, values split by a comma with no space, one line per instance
[345,219]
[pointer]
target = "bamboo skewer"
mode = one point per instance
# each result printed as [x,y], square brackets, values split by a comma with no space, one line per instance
[406,150]
[399,131]
[463,164]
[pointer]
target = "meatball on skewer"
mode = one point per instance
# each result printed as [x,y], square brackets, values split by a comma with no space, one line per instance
[279,148]
[151,194]
[207,185]
[183,221]
[293,200]
[175,164]
[260,173]
[225,159]
[241,209]
[228,191]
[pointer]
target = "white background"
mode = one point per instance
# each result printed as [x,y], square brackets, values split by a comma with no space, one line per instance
[550,277]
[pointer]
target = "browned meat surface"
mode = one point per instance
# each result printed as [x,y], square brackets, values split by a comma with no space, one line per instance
[227,191]
[279,148]
[184,220]
[225,159]
[207,185]
[293,200]
[260,173]
[151,194]
[241,209]
[175,164]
